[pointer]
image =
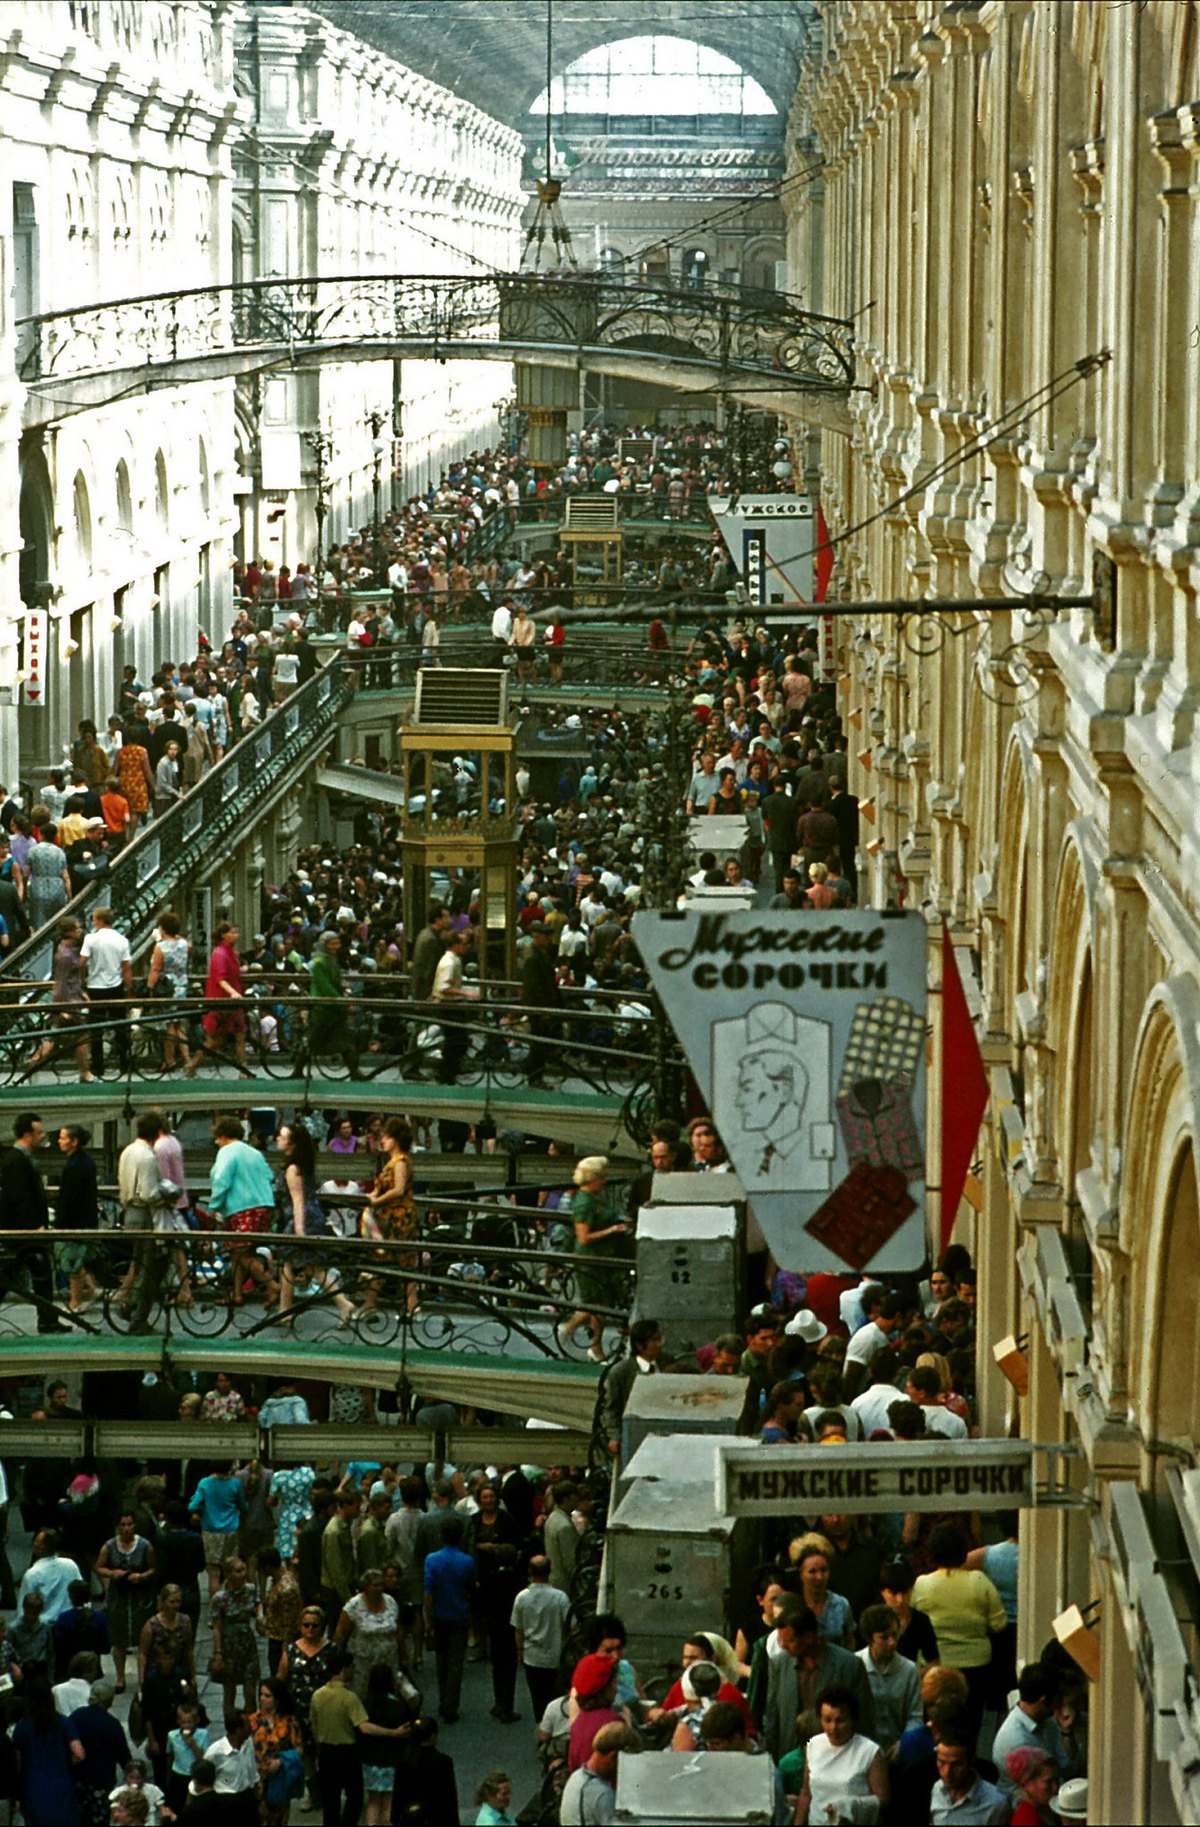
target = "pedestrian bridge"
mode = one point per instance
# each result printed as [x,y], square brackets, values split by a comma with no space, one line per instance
[764,346]
[468,1314]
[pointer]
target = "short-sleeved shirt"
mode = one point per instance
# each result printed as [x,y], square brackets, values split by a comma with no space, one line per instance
[964,1607]
[105,952]
[220,1504]
[540,1614]
[449,1576]
[335,1714]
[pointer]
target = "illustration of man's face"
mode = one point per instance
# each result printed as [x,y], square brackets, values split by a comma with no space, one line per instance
[767,1088]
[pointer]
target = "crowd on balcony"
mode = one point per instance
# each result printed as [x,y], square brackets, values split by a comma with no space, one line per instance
[871,1660]
[426,553]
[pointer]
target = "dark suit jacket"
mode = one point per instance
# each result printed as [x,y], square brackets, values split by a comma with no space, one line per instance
[23,1204]
[426,952]
[844,808]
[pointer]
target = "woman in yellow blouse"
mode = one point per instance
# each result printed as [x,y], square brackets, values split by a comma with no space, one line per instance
[965,1610]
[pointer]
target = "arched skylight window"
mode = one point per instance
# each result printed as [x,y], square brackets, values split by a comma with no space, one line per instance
[654,75]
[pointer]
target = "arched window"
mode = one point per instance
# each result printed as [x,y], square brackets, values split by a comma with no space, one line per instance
[162,509]
[655,267]
[695,269]
[124,497]
[655,75]
[81,509]
[611,264]
[203,476]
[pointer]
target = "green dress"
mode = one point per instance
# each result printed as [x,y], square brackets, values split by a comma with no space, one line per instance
[327,1024]
[597,1287]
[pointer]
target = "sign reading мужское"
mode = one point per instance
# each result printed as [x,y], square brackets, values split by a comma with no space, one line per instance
[806,1034]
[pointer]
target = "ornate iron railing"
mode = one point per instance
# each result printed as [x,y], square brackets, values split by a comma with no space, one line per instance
[612,1051]
[487,1279]
[766,333]
[584,659]
[200,825]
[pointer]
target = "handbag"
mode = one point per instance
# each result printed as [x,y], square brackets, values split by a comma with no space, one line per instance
[216,1665]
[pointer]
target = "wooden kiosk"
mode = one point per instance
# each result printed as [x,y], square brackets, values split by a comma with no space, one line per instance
[461,714]
[591,528]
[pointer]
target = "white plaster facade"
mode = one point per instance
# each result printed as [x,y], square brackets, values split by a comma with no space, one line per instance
[352,164]
[120,124]
[115,181]
[1005,190]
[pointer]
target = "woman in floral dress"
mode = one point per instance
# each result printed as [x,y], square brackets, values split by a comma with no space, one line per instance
[369,1628]
[235,1644]
[133,773]
[274,1728]
[305,1667]
[288,1499]
[392,1213]
[170,1625]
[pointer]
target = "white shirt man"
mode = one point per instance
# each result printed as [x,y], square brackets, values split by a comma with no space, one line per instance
[943,1421]
[866,1342]
[502,624]
[873,1405]
[52,1575]
[704,784]
[447,979]
[237,1769]
[539,1617]
[70,1695]
[108,957]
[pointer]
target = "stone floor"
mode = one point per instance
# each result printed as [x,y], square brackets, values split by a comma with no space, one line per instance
[478,1743]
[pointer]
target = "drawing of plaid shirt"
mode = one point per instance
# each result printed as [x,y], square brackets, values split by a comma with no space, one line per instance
[885,1136]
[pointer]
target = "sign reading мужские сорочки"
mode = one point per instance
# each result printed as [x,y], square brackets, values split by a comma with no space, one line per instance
[939,1475]
[806,1034]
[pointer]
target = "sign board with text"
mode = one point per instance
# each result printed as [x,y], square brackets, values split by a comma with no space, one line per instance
[756,1480]
[36,656]
[771,539]
[806,1033]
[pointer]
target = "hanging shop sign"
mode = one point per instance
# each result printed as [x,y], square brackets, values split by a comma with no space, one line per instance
[806,1035]
[942,1475]
[37,637]
[771,539]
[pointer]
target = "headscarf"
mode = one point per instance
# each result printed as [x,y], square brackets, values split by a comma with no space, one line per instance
[1025,1764]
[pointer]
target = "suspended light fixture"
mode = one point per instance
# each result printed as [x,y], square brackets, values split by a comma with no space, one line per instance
[548,217]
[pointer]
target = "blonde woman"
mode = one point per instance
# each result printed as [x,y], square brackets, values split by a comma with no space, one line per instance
[595,1235]
[819,893]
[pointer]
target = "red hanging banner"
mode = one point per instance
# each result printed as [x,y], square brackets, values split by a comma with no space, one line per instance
[964,1088]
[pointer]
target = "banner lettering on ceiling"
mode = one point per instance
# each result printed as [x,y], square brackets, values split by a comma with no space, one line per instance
[943,1475]
[806,1034]
[785,526]
[37,635]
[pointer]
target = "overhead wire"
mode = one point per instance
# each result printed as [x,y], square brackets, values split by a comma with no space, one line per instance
[1058,384]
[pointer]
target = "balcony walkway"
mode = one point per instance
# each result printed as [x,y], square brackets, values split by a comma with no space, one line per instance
[765,346]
